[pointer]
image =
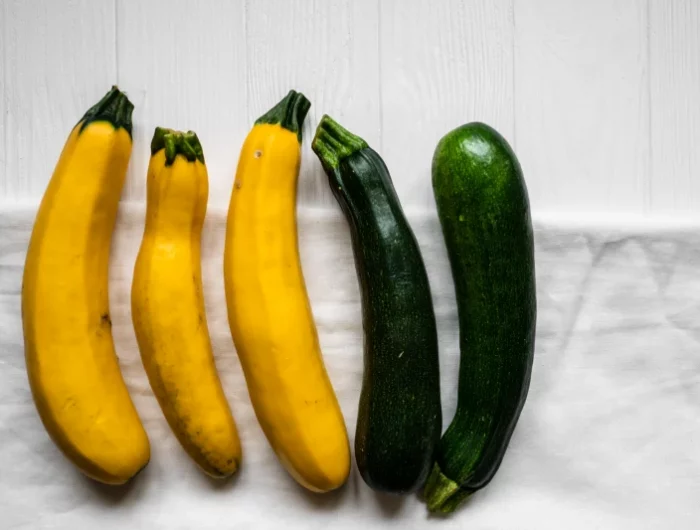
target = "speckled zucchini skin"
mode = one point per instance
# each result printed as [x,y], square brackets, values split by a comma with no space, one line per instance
[484,212]
[399,420]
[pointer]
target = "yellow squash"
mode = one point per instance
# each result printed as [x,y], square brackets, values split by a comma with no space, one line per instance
[167,306]
[268,307]
[71,362]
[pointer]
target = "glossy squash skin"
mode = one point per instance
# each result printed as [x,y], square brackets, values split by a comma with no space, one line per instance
[269,310]
[484,212]
[399,418]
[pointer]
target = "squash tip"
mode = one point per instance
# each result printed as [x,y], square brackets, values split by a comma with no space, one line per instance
[442,494]
[289,113]
[114,108]
[333,142]
[176,143]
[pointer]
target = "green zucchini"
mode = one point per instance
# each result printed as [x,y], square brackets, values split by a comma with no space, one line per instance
[484,212]
[399,420]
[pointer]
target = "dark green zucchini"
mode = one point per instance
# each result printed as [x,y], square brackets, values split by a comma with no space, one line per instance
[484,212]
[400,419]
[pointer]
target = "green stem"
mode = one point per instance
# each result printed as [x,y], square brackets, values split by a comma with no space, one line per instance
[288,113]
[114,108]
[333,142]
[443,495]
[177,143]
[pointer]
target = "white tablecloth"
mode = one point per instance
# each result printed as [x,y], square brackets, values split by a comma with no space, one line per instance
[609,437]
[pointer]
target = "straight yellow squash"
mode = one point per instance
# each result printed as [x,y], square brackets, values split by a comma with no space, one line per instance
[167,306]
[71,362]
[268,307]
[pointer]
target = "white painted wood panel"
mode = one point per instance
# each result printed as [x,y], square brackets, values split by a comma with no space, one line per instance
[674,47]
[4,105]
[183,64]
[442,64]
[582,104]
[598,98]
[57,59]
[328,51]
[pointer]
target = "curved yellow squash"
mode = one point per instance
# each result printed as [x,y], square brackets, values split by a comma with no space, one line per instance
[167,306]
[268,307]
[72,365]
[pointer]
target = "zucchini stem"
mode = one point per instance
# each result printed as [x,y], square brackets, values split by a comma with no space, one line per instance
[289,113]
[443,495]
[177,143]
[333,143]
[114,108]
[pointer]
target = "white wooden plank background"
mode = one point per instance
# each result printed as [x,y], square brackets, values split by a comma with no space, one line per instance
[442,64]
[328,51]
[582,100]
[56,58]
[599,98]
[184,67]
[674,48]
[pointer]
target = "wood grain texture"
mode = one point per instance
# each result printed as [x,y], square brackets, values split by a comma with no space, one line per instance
[183,64]
[674,48]
[328,51]
[598,98]
[582,96]
[57,59]
[443,64]
[4,101]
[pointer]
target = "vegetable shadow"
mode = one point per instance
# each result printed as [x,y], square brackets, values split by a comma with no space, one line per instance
[112,496]
[389,504]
